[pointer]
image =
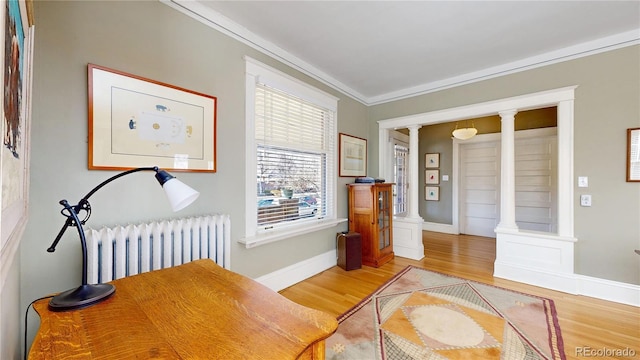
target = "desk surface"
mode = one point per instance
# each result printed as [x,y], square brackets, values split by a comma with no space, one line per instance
[193,311]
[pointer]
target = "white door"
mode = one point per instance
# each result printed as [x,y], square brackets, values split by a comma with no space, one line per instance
[535,183]
[479,188]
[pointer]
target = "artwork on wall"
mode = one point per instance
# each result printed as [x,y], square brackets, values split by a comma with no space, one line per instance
[633,154]
[352,156]
[136,122]
[432,177]
[432,160]
[432,193]
[17,27]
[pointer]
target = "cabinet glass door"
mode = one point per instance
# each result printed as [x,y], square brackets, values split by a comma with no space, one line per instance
[384,238]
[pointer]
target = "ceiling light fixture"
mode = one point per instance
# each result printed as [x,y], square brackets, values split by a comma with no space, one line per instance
[464,133]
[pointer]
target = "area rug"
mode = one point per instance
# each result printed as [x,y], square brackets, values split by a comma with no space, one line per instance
[421,314]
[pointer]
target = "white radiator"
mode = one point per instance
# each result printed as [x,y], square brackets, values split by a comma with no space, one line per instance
[116,252]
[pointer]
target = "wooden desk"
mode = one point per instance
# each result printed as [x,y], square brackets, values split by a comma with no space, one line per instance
[193,311]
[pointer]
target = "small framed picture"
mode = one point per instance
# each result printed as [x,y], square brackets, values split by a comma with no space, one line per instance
[432,193]
[432,160]
[353,156]
[432,177]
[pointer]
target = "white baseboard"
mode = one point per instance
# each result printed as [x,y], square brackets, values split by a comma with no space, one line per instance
[407,252]
[564,282]
[293,274]
[437,227]
[571,283]
[609,290]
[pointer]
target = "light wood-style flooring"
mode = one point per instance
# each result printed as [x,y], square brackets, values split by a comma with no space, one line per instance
[588,325]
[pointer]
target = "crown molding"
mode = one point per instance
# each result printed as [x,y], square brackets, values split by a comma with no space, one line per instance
[223,24]
[605,44]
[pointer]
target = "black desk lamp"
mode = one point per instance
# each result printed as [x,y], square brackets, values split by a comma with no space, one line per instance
[179,195]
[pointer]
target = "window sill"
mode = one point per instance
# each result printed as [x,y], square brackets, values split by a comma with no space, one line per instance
[281,234]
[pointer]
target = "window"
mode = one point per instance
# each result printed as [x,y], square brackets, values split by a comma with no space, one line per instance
[400,178]
[291,142]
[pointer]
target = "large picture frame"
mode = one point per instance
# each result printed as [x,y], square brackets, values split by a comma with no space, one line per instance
[136,122]
[353,156]
[17,27]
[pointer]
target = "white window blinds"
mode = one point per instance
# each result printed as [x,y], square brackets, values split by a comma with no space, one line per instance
[295,144]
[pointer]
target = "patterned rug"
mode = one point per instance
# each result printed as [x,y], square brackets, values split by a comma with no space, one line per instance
[421,314]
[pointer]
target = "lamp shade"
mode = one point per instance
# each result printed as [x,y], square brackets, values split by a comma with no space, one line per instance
[179,194]
[464,133]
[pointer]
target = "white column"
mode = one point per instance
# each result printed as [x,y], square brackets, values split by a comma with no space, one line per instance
[414,167]
[565,168]
[508,172]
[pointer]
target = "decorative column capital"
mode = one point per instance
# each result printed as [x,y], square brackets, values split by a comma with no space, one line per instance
[508,114]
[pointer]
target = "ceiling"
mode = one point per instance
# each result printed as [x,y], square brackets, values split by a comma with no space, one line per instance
[379,51]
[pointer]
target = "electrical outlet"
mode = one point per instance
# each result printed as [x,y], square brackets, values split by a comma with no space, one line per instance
[585,200]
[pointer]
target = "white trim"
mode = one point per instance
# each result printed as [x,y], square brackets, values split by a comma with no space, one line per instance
[520,251]
[221,23]
[540,99]
[608,290]
[256,71]
[405,231]
[574,284]
[267,75]
[588,48]
[441,228]
[603,289]
[293,274]
[269,236]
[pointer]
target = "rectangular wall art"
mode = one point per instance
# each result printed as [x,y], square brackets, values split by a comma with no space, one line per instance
[353,156]
[16,17]
[432,193]
[136,122]
[432,160]
[432,177]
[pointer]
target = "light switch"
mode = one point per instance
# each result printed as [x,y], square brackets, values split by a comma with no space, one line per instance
[583,181]
[585,200]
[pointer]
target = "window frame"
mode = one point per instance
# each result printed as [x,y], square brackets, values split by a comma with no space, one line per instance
[254,235]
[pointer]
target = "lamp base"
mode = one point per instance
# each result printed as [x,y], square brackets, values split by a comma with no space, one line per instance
[80,297]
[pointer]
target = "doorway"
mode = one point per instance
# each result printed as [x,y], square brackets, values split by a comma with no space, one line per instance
[536,199]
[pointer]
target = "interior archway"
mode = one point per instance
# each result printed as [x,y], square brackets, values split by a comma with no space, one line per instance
[543,260]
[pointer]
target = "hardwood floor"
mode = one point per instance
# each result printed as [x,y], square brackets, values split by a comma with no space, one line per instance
[589,326]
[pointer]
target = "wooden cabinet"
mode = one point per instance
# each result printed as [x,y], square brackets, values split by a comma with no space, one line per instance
[370,214]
